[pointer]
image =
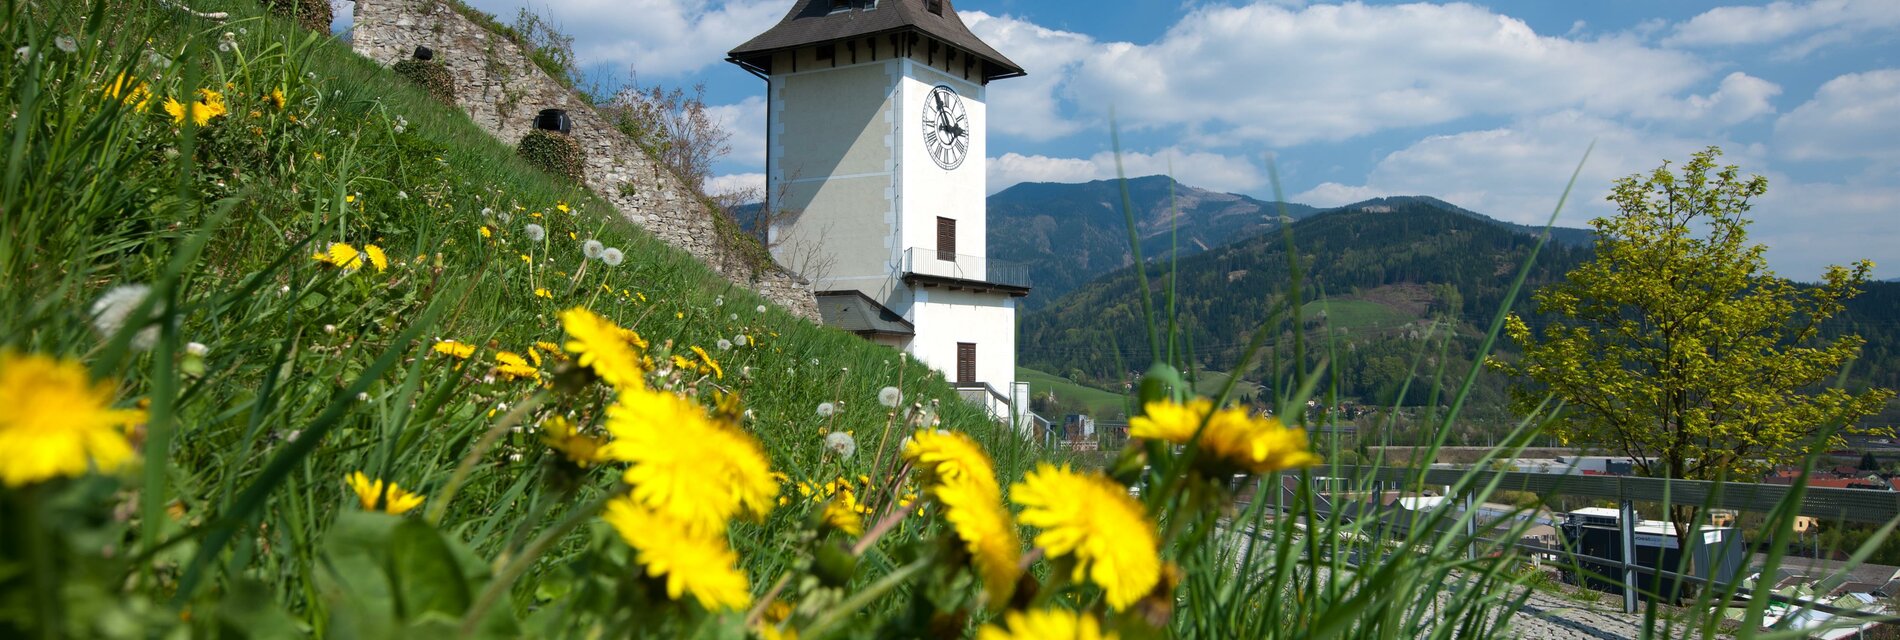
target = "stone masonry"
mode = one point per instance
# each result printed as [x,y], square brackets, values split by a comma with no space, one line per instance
[502,91]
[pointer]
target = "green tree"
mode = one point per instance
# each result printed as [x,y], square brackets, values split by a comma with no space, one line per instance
[1677,346]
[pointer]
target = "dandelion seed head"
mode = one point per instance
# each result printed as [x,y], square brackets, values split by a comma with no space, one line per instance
[402,195]
[110,314]
[197,349]
[890,397]
[825,409]
[362,396]
[23,53]
[505,218]
[612,257]
[759,309]
[593,248]
[740,340]
[66,44]
[733,317]
[724,344]
[535,232]
[841,443]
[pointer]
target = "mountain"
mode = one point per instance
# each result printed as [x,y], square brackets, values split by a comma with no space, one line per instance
[1384,268]
[1069,234]
[1560,235]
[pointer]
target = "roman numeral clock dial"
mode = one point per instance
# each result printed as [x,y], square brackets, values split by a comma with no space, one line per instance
[946,127]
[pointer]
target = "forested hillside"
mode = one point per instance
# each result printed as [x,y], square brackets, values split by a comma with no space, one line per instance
[1069,234]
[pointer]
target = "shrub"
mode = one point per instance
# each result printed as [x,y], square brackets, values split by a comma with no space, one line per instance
[431,76]
[554,152]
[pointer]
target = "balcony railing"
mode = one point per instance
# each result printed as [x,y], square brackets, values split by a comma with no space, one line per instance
[926,261]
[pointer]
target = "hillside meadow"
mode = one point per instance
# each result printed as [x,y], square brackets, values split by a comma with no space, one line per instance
[293,350]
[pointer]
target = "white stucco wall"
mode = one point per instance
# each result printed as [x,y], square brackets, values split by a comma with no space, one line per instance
[927,191]
[832,167]
[944,318]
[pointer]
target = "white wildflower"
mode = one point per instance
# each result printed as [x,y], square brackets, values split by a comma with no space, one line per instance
[402,195]
[109,314]
[841,443]
[329,329]
[536,232]
[825,409]
[23,53]
[66,44]
[890,397]
[362,396]
[592,248]
[612,257]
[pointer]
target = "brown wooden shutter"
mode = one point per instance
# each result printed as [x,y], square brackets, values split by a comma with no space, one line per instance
[966,363]
[946,239]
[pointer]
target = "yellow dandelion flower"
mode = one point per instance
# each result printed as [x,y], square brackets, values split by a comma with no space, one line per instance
[58,422]
[1045,624]
[370,492]
[710,362]
[680,362]
[542,292]
[633,337]
[209,105]
[842,514]
[562,206]
[696,470]
[129,91]
[455,349]
[276,98]
[598,343]
[486,233]
[350,198]
[1232,440]
[950,456]
[526,260]
[560,434]
[975,511]
[377,258]
[340,254]
[1090,517]
[548,348]
[534,355]
[511,366]
[696,563]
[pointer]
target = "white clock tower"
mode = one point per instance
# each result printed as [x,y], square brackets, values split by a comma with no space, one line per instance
[875,174]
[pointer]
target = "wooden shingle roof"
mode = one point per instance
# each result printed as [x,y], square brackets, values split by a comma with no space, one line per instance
[812,22]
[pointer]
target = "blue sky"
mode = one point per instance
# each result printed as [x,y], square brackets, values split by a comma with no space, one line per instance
[1486,105]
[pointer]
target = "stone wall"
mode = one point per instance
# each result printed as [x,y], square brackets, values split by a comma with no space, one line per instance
[502,91]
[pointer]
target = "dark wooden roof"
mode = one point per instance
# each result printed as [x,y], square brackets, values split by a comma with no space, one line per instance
[813,22]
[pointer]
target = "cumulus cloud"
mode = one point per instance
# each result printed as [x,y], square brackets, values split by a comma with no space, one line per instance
[1802,27]
[1810,226]
[1265,73]
[1854,116]
[1033,103]
[1518,172]
[1740,98]
[656,38]
[746,122]
[1213,171]
[752,184]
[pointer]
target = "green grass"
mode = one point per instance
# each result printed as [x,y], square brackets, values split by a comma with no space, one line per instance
[1356,314]
[1103,405]
[311,372]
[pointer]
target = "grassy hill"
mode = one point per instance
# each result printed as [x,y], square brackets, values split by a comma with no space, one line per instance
[275,374]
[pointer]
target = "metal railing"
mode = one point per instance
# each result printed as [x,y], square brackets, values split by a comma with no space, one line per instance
[925,261]
[1850,505]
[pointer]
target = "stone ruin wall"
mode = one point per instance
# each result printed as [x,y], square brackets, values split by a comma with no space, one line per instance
[502,90]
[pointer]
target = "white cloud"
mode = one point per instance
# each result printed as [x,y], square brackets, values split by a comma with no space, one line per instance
[1518,172]
[746,122]
[1803,26]
[1740,98]
[737,183]
[1854,116]
[656,38]
[1263,73]
[1032,102]
[1202,169]
[1809,226]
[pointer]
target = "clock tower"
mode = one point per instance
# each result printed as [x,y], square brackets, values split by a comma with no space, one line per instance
[876,125]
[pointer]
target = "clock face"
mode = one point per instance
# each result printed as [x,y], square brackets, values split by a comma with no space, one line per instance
[946,127]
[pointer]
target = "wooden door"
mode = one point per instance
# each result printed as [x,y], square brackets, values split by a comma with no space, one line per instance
[947,239]
[966,363]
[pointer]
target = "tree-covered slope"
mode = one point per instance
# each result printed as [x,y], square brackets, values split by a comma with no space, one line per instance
[1069,234]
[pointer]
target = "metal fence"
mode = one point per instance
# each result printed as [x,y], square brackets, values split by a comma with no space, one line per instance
[931,262]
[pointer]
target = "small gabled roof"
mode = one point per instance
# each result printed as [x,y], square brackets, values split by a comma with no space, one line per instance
[853,311]
[813,22]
